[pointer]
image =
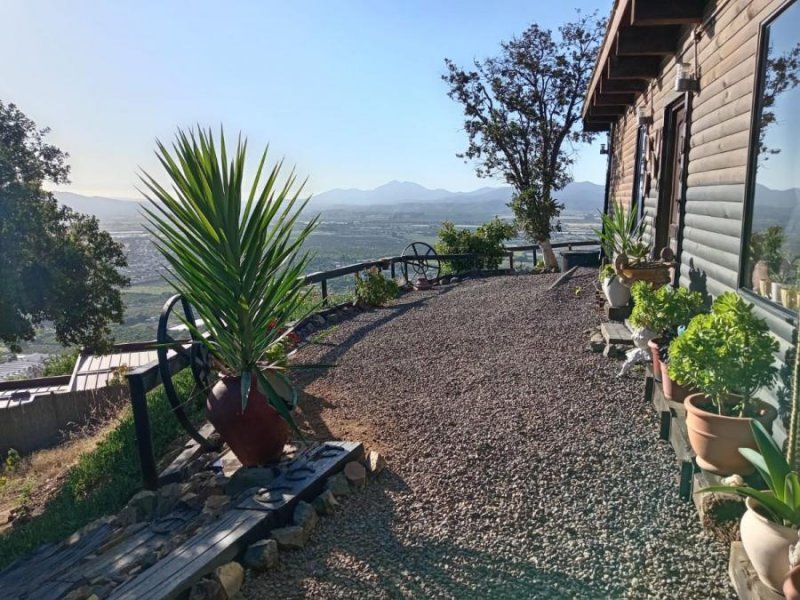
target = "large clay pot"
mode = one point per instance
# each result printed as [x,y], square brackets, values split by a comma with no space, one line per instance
[658,366]
[257,435]
[675,393]
[767,545]
[617,294]
[716,439]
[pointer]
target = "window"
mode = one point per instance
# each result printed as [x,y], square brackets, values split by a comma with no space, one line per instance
[771,248]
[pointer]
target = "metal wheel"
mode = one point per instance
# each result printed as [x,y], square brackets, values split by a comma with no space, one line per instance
[420,261]
[196,355]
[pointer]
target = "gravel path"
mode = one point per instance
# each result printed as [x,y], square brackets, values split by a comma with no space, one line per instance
[519,466]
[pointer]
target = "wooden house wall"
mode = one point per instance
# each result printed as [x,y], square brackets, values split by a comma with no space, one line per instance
[720,120]
[719,134]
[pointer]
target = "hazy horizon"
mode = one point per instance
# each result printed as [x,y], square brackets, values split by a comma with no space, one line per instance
[349,94]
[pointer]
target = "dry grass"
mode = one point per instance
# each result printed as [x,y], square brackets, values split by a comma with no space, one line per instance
[25,487]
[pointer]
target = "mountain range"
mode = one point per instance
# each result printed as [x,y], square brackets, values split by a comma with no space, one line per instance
[579,196]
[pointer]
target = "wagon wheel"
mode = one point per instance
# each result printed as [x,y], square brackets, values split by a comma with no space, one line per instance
[199,362]
[420,261]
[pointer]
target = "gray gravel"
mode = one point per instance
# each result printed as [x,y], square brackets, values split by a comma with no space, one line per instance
[519,466]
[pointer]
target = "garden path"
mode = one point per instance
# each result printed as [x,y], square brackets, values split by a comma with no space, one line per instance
[519,465]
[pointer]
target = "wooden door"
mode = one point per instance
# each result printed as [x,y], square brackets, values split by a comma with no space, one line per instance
[671,193]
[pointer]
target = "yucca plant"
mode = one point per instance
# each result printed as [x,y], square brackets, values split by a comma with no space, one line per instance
[622,232]
[232,253]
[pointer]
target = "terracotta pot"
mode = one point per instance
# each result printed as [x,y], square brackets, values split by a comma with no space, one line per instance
[716,439]
[767,546]
[675,393]
[257,435]
[658,366]
[791,585]
[617,294]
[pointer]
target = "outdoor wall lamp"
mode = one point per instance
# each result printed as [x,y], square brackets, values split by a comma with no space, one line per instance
[642,118]
[685,79]
[603,149]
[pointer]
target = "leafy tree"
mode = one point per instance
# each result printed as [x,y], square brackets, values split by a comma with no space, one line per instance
[55,264]
[521,109]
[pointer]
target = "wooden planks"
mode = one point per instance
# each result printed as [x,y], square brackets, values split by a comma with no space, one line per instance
[248,521]
[745,579]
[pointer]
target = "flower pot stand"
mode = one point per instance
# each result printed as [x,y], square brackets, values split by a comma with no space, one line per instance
[744,578]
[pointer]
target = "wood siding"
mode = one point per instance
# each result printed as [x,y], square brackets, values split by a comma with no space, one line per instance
[720,121]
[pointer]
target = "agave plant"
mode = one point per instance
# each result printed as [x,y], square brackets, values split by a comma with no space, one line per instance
[622,232]
[781,503]
[232,253]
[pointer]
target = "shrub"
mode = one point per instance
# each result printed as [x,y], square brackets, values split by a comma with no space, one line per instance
[373,288]
[61,364]
[486,241]
[728,351]
[663,310]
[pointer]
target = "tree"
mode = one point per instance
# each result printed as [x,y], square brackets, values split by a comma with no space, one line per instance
[521,109]
[55,264]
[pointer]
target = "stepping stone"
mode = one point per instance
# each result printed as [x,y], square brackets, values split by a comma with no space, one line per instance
[615,332]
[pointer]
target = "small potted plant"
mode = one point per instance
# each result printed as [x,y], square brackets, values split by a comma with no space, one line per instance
[728,355]
[617,293]
[622,240]
[620,232]
[663,311]
[235,256]
[772,520]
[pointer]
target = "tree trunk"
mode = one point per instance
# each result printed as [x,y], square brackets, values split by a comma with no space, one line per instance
[549,256]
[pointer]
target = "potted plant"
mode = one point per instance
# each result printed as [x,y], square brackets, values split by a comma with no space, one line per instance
[772,520]
[728,355]
[622,240]
[235,255]
[765,256]
[617,293]
[663,311]
[619,232]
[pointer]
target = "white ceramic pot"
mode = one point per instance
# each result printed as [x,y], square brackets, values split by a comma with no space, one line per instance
[617,293]
[767,546]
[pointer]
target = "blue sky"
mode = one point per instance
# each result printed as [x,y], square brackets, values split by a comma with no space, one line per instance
[349,91]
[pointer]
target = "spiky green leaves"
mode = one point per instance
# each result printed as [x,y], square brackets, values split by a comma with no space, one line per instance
[234,254]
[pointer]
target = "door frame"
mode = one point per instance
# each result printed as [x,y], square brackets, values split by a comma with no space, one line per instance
[666,179]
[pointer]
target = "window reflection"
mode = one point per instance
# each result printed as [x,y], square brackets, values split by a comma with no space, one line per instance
[773,245]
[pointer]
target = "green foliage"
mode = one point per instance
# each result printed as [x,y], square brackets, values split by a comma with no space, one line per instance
[728,351]
[103,480]
[767,245]
[57,265]
[522,109]
[12,460]
[622,232]
[61,364]
[374,289]
[663,310]
[232,253]
[606,271]
[781,504]
[536,212]
[486,241]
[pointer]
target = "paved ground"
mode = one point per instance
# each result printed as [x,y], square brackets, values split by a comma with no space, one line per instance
[520,467]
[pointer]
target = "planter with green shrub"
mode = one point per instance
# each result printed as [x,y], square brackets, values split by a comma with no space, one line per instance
[663,311]
[728,356]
